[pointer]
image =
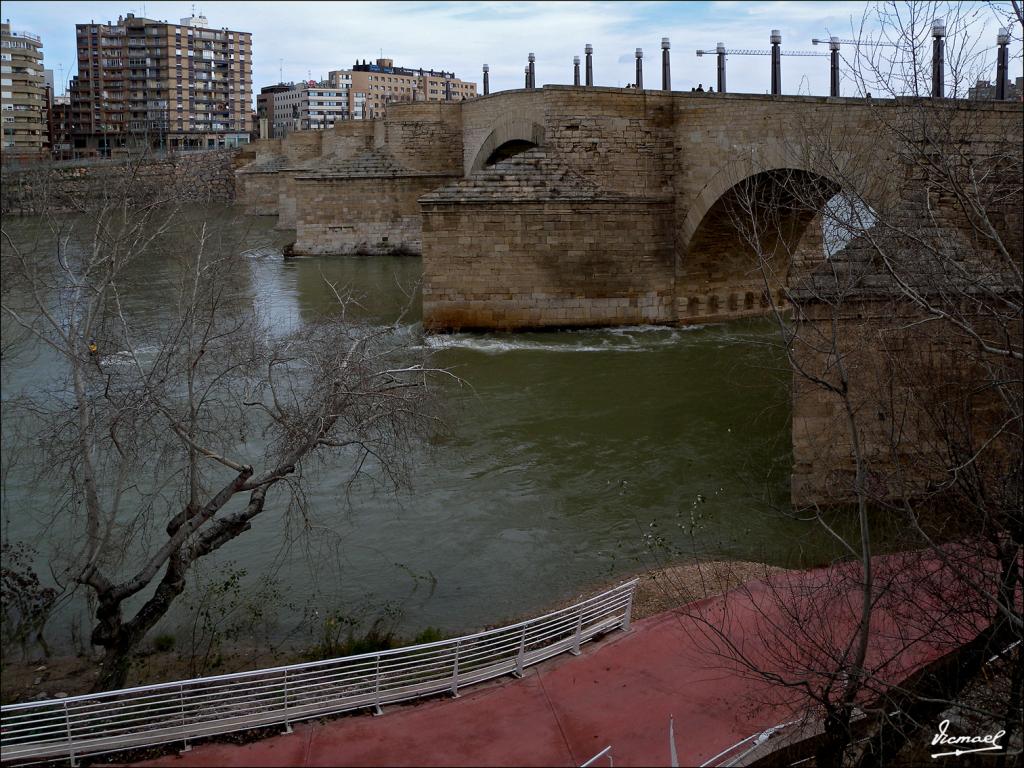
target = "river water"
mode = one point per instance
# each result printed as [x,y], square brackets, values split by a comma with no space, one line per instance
[572,458]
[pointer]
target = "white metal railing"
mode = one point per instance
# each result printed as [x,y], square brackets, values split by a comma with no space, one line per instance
[606,752]
[755,740]
[191,709]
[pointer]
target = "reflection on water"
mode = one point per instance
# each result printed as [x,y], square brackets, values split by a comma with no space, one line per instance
[567,454]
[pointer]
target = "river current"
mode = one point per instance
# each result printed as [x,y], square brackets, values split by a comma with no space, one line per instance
[572,458]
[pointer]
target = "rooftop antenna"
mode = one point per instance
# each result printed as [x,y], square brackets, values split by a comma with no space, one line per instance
[280,70]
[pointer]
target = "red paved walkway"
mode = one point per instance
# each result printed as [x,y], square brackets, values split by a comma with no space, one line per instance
[620,692]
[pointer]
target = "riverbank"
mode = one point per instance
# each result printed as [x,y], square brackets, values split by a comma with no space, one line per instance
[658,590]
[624,690]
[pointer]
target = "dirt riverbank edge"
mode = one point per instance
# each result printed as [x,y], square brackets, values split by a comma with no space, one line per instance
[658,590]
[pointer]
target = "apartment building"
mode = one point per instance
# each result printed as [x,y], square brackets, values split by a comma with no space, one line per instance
[148,82]
[59,127]
[265,108]
[983,90]
[306,106]
[22,94]
[369,88]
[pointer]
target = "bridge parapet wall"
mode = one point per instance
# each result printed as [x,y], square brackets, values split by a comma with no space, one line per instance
[423,136]
[346,138]
[621,140]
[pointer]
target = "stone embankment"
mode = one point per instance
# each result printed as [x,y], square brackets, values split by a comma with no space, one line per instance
[196,177]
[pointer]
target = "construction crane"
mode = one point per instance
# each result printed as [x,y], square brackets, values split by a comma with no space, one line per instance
[830,40]
[775,52]
[833,44]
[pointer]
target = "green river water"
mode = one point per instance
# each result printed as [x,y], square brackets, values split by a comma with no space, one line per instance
[575,457]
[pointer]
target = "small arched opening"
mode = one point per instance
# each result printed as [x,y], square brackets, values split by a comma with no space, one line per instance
[507,150]
[510,137]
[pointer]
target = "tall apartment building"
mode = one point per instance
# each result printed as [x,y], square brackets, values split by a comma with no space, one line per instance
[176,86]
[22,93]
[369,88]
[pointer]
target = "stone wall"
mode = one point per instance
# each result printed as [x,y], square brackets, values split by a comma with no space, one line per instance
[423,136]
[347,138]
[531,243]
[340,215]
[547,264]
[302,180]
[921,397]
[200,177]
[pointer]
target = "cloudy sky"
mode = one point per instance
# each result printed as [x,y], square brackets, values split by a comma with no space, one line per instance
[306,39]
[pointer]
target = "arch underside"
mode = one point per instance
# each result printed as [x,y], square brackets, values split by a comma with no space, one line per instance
[749,245]
[507,150]
[509,137]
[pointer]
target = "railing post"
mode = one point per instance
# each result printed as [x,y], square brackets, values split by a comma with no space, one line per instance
[455,672]
[575,650]
[287,725]
[71,741]
[376,689]
[628,615]
[181,703]
[522,653]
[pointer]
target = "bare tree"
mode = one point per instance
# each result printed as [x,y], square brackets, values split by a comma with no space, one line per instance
[901,319]
[171,435]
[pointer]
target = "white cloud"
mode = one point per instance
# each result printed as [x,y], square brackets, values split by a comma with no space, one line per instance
[312,38]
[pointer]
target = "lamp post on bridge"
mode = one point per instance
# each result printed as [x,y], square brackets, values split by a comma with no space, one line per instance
[1002,63]
[487,80]
[720,55]
[640,68]
[833,46]
[938,57]
[531,72]
[575,70]
[776,39]
[666,75]
[588,51]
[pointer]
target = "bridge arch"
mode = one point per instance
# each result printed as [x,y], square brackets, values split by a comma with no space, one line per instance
[509,137]
[717,274]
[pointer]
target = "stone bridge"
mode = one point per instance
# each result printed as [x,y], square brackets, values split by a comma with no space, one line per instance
[570,206]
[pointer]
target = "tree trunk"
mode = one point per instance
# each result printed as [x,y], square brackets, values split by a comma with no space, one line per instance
[120,640]
[832,747]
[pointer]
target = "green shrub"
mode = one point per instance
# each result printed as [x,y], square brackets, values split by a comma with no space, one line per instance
[428,635]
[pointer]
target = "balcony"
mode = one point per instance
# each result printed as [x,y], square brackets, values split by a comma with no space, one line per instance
[27,36]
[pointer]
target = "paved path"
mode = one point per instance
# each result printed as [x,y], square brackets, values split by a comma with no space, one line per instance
[619,692]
